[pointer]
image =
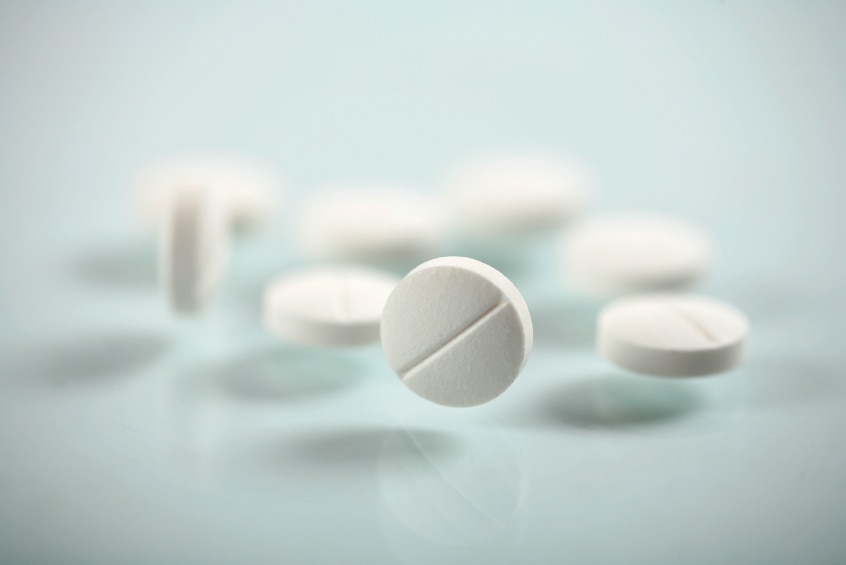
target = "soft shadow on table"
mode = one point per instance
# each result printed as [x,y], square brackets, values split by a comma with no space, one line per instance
[92,360]
[567,323]
[611,402]
[122,265]
[279,374]
[360,449]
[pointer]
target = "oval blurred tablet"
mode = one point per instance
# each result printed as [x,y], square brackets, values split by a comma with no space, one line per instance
[626,252]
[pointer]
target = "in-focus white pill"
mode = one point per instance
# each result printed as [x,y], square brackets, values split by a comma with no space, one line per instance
[516,194]
[627,252]
[456,331]
[250,191]
[194,247]
[328,306]
[370,222]
[672,335]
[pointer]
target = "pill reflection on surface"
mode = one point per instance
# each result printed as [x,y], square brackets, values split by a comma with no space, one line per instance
[462,497]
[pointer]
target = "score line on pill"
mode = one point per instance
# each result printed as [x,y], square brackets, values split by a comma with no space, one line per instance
[328,306]
[672,335]
[456,331]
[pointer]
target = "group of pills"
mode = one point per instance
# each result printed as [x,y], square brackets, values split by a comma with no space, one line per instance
[454,329]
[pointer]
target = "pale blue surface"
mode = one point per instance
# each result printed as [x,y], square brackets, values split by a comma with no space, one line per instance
[128,438]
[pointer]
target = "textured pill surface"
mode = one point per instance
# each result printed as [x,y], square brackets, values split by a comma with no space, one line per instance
[517,193]
[194,247]
[328,306]
[456,331]
[627,252]
[673,335]
[369,221]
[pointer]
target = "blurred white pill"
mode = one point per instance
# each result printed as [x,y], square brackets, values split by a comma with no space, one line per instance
[626,252]
[456,331]
[250,191]
[517,194]
[370,222]
[194,247]
[672,335]
[328,306]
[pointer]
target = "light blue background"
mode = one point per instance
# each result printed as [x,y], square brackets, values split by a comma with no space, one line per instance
[126,437]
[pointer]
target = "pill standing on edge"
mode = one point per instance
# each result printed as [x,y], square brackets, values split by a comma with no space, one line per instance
[376,221]
[456,331]
[672,335]
[626,252]
[250,191]
[517,193]
[194,247]
[328,306]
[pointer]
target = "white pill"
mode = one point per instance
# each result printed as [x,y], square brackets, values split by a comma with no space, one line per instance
[328,306]
[250,191]
[619,253]
[511,194]
[456,331]
[370,222]
[194,247]
[672,335]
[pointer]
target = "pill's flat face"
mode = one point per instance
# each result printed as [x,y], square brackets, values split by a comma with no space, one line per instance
[328,306]
[621,253]
[194,247]
[673,335]
[456,331]
[516,193]
[370,221]
[250,192]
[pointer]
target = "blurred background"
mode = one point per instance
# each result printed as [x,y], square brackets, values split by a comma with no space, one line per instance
[127,436]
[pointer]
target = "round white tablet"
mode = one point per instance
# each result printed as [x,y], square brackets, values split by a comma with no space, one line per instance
[619,253]
[250,191]
[194,247]
[456,331]
[370,222]
[672,335]
[328,306]
[510,194]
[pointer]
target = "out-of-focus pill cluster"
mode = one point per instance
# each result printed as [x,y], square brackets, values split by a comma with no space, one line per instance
[454,329]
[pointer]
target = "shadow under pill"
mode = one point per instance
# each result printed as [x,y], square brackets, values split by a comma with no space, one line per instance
[339,452]
[93,359]
[614,401]
[279,374]
[126,265]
